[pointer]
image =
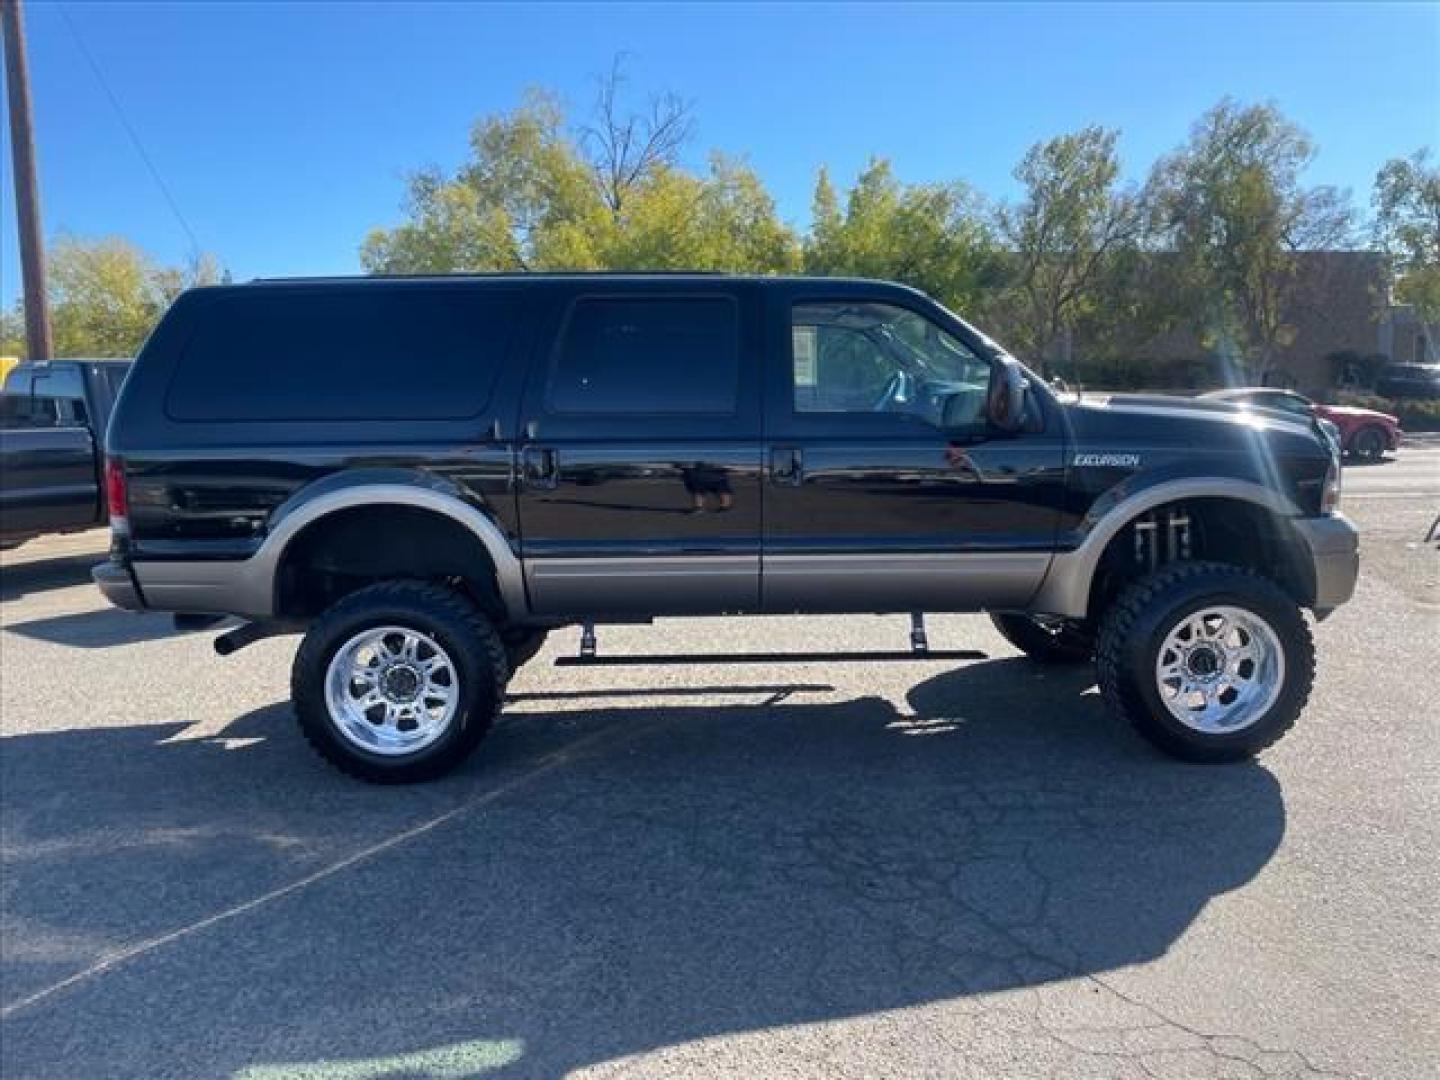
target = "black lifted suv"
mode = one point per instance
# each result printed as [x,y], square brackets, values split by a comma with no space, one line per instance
[425,475]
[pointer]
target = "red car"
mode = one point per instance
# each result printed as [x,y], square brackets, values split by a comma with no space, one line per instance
[1363,433]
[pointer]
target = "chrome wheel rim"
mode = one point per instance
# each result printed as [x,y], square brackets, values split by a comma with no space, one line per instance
[1220,669]
[392,690]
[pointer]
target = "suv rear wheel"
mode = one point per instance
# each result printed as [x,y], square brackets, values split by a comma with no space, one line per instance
[1209,662]
[1050,641]
[398,682]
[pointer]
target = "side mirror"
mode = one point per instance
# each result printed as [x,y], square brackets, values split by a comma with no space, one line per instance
[1005,398]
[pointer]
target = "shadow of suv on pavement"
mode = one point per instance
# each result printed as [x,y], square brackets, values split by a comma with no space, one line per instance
[607,881]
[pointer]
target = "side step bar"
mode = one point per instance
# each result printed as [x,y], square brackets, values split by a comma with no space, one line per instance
[771,658]
[919,650]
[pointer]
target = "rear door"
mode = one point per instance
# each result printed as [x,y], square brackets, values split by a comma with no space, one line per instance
[639,474]
[886,488]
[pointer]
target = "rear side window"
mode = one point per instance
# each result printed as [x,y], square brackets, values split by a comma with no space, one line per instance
[654,355]
[45,398]
[38,411]
[366,353]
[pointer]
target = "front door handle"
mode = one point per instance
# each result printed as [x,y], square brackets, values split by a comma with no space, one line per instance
[540,467]
[787,466]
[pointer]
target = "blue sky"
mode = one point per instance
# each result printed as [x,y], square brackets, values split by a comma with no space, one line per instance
[284,130]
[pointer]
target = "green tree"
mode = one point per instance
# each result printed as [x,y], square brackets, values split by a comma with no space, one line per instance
[524,200]
[1231,205]
[106,295]
[935,237]
[1071,227]
[613,195]
[12,332]
[1407,229]
[1137,299]
[723,220]
[826,221]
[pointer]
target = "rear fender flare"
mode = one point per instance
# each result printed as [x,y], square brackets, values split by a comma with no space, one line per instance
[392,487]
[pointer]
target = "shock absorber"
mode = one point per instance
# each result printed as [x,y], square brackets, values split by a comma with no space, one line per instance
[1177,535]
[1146,553]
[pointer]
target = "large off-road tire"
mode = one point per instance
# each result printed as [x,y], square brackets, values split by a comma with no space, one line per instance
[1209,662]
[1057,642]
[398,682]
[1368,443]
[521,645]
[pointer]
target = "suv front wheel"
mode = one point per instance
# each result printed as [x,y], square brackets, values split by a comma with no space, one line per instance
[1209,662]
[398,682]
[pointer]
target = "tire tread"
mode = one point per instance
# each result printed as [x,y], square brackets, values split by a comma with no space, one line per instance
[1117,626]
[310,666]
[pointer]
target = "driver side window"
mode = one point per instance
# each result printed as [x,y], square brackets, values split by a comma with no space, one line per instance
[864,357]
[838,370]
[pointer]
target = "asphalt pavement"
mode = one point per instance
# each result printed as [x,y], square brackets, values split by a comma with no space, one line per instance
[760,870]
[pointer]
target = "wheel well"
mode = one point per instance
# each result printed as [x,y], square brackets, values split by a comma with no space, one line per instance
[349,549]
[1219,530]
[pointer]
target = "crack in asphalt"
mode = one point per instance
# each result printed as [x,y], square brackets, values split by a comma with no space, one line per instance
[911,882]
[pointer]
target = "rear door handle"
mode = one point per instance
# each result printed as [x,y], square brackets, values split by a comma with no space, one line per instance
[540,467]
[787,466]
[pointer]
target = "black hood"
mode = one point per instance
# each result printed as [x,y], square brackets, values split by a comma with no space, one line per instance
[1199,410]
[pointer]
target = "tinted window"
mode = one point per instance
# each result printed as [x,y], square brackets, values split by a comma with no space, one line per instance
[364,353]
[19,410]
[655,355]
[45,397]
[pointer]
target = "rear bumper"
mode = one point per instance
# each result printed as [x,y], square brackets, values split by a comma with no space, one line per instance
[116,582]
[1334,547]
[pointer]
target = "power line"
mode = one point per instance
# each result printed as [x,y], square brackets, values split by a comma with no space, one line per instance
[129,130]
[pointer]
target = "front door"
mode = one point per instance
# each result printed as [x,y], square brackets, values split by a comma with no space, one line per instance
[886,488]
[640,466]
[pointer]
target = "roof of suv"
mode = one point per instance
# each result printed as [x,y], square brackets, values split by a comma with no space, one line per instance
[707,276]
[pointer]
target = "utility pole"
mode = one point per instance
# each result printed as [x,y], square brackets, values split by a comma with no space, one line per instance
[27,190]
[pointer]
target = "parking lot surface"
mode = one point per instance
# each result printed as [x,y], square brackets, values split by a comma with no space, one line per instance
[799,869]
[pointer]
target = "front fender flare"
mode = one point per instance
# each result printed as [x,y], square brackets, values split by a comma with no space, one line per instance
[1066,588]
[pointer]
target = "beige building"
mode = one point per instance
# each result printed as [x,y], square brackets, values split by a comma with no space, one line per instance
[1408,339]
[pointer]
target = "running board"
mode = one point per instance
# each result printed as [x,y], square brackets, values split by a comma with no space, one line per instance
[770,658]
